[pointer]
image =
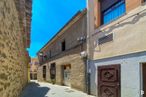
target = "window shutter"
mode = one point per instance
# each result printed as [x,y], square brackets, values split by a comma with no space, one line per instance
[97,13]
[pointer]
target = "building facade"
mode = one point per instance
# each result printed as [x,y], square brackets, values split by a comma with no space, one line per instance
[33,68]
[14,39]
[62,58]
[116,47]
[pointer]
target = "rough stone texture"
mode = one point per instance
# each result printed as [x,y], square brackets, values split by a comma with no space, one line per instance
[74,30]
[34,65]
[13,55]
[33,68]
[77,70]
[40,74]
[24,8]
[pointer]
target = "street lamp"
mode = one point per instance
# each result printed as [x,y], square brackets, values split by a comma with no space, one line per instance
[41,53]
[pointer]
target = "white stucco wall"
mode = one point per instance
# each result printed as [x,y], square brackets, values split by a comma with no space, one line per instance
[130,73]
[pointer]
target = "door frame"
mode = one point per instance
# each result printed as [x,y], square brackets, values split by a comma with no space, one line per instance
[63,70]
[112,65]
[44,72]
[141,78]
[53,71]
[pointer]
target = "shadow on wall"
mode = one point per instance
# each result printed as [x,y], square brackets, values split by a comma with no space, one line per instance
[93,78]
[34,90]
[134,19]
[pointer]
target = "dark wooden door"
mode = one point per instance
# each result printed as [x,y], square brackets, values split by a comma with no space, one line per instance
[53,71]
[109,81]
[44,72]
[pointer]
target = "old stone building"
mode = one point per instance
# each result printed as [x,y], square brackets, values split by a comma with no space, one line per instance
[116,48]
[15,18]
[33,68]
[61,59]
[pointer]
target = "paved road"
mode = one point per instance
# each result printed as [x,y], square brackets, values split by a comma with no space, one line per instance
[35,89]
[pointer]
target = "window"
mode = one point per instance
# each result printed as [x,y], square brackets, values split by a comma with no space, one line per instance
[31,76]
[53,71]
[111,10]
[63,45]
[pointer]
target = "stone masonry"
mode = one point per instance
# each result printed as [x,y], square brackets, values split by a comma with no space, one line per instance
[13,55]
[33,68]
[74,35]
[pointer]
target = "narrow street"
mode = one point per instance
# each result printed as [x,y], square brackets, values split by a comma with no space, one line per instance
[36,89]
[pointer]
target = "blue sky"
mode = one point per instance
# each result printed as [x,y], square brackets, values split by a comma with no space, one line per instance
[49,16]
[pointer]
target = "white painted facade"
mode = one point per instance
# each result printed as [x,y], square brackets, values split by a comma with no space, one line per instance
[130,58]
[131,81]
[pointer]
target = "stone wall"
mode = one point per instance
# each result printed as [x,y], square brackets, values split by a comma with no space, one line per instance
[77,78]
[13,55]
[40,73]
[71,33]
[33,68]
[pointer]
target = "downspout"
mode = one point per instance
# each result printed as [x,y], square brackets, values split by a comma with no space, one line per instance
[88,52]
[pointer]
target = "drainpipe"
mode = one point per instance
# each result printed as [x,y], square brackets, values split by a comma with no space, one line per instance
[88,53]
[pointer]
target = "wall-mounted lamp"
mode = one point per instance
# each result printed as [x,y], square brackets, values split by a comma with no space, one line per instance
[83,54]
[81,39]
[41,54]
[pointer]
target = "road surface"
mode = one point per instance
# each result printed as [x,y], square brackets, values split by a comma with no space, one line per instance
[36,89]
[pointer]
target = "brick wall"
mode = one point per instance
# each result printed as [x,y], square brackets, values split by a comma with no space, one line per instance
[13,55]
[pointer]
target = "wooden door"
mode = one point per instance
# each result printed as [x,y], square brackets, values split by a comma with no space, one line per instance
[44,72]
[53,71]
[109,81]
[67,73]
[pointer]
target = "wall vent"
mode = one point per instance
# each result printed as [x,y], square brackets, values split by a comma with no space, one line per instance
[105,39]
